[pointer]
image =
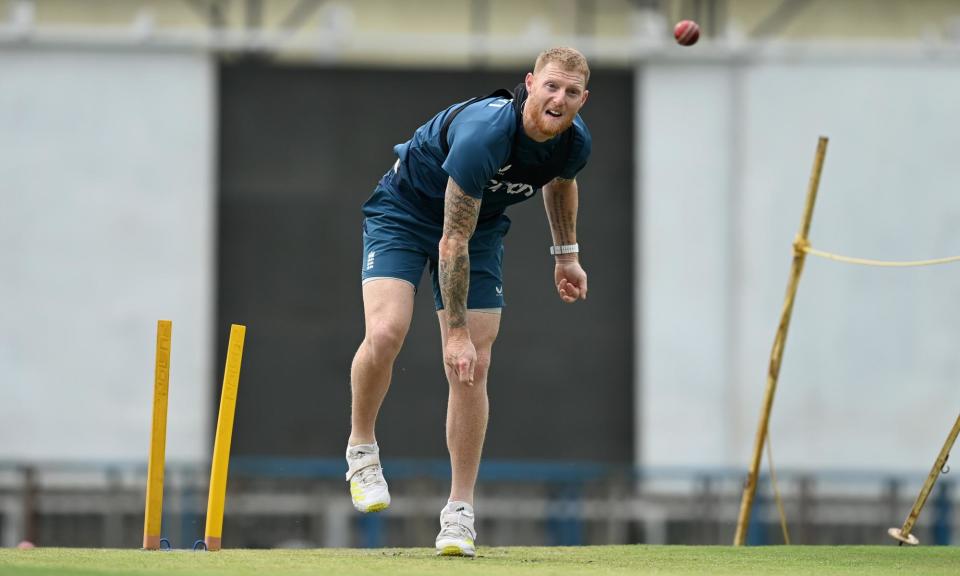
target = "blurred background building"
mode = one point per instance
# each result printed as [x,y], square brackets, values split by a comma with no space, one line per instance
[205,160]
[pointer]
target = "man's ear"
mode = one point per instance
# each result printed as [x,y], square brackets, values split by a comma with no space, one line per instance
[528,81]
[584,101]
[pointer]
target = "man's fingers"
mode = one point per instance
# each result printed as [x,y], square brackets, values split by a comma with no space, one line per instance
[569,292]
[465,371]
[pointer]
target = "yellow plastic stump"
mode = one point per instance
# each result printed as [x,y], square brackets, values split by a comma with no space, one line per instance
[221,444]
[153,509]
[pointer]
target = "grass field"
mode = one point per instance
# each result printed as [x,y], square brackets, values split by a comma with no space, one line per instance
[587,560]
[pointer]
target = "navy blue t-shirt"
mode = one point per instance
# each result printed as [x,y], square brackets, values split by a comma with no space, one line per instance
[480,138]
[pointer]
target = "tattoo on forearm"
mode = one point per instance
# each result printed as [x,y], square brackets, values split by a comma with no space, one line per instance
[459,221]
[562,210]
[454,285]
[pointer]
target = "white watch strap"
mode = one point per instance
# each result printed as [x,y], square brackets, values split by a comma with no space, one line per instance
[565,249]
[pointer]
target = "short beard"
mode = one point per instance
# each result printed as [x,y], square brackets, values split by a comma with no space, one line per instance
[539,122]
[543,127]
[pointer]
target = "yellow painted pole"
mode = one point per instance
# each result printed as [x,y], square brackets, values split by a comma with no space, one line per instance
[903,534]
[776,354]
[221,444]
[153,509]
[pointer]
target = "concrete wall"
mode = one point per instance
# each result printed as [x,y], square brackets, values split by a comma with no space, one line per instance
[870,374]
[106,226]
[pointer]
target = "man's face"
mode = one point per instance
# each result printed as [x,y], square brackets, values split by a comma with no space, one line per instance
[554,97]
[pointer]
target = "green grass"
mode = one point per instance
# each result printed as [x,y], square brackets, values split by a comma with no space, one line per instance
[587,560]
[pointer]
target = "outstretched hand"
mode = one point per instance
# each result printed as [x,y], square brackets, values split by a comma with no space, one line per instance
[571,281]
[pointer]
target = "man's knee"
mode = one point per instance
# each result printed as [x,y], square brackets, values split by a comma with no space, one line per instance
[384,340]
[482,367]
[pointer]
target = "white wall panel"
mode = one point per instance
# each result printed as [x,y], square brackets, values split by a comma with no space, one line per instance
[871,376]
[106,226]
[684,224]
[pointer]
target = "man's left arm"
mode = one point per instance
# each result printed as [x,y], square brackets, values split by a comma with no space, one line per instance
[560,199]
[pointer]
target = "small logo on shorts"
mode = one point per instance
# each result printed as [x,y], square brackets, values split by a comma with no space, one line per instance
[499,290]
[370,256]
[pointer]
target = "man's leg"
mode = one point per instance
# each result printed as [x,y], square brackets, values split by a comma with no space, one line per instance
[388,309]
[468,406]
[467,411]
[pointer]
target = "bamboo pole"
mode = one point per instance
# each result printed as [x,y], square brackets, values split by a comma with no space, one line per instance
[776,354]
[903,534]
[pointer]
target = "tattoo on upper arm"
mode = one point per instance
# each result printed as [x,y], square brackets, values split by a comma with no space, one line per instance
[460,211]
[459,221]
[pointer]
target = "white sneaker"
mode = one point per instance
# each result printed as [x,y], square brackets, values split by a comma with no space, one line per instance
[456,537]
[365,475]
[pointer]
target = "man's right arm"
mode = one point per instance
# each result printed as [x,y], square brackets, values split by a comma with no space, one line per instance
[459,221]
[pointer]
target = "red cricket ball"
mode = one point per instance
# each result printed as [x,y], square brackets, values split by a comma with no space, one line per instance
[687,32]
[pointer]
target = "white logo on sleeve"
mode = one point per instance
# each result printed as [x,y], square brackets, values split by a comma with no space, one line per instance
[499,290]
[370,256]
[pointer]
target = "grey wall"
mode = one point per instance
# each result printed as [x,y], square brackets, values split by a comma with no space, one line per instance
[301,149]
[871,370]
[106,208]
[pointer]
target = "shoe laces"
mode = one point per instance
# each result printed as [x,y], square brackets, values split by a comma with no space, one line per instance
[370,476]
[453,525]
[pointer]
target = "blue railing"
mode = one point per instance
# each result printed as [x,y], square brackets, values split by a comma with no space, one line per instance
[565,482]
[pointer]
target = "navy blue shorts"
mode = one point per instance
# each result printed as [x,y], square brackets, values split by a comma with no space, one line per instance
[398,244]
